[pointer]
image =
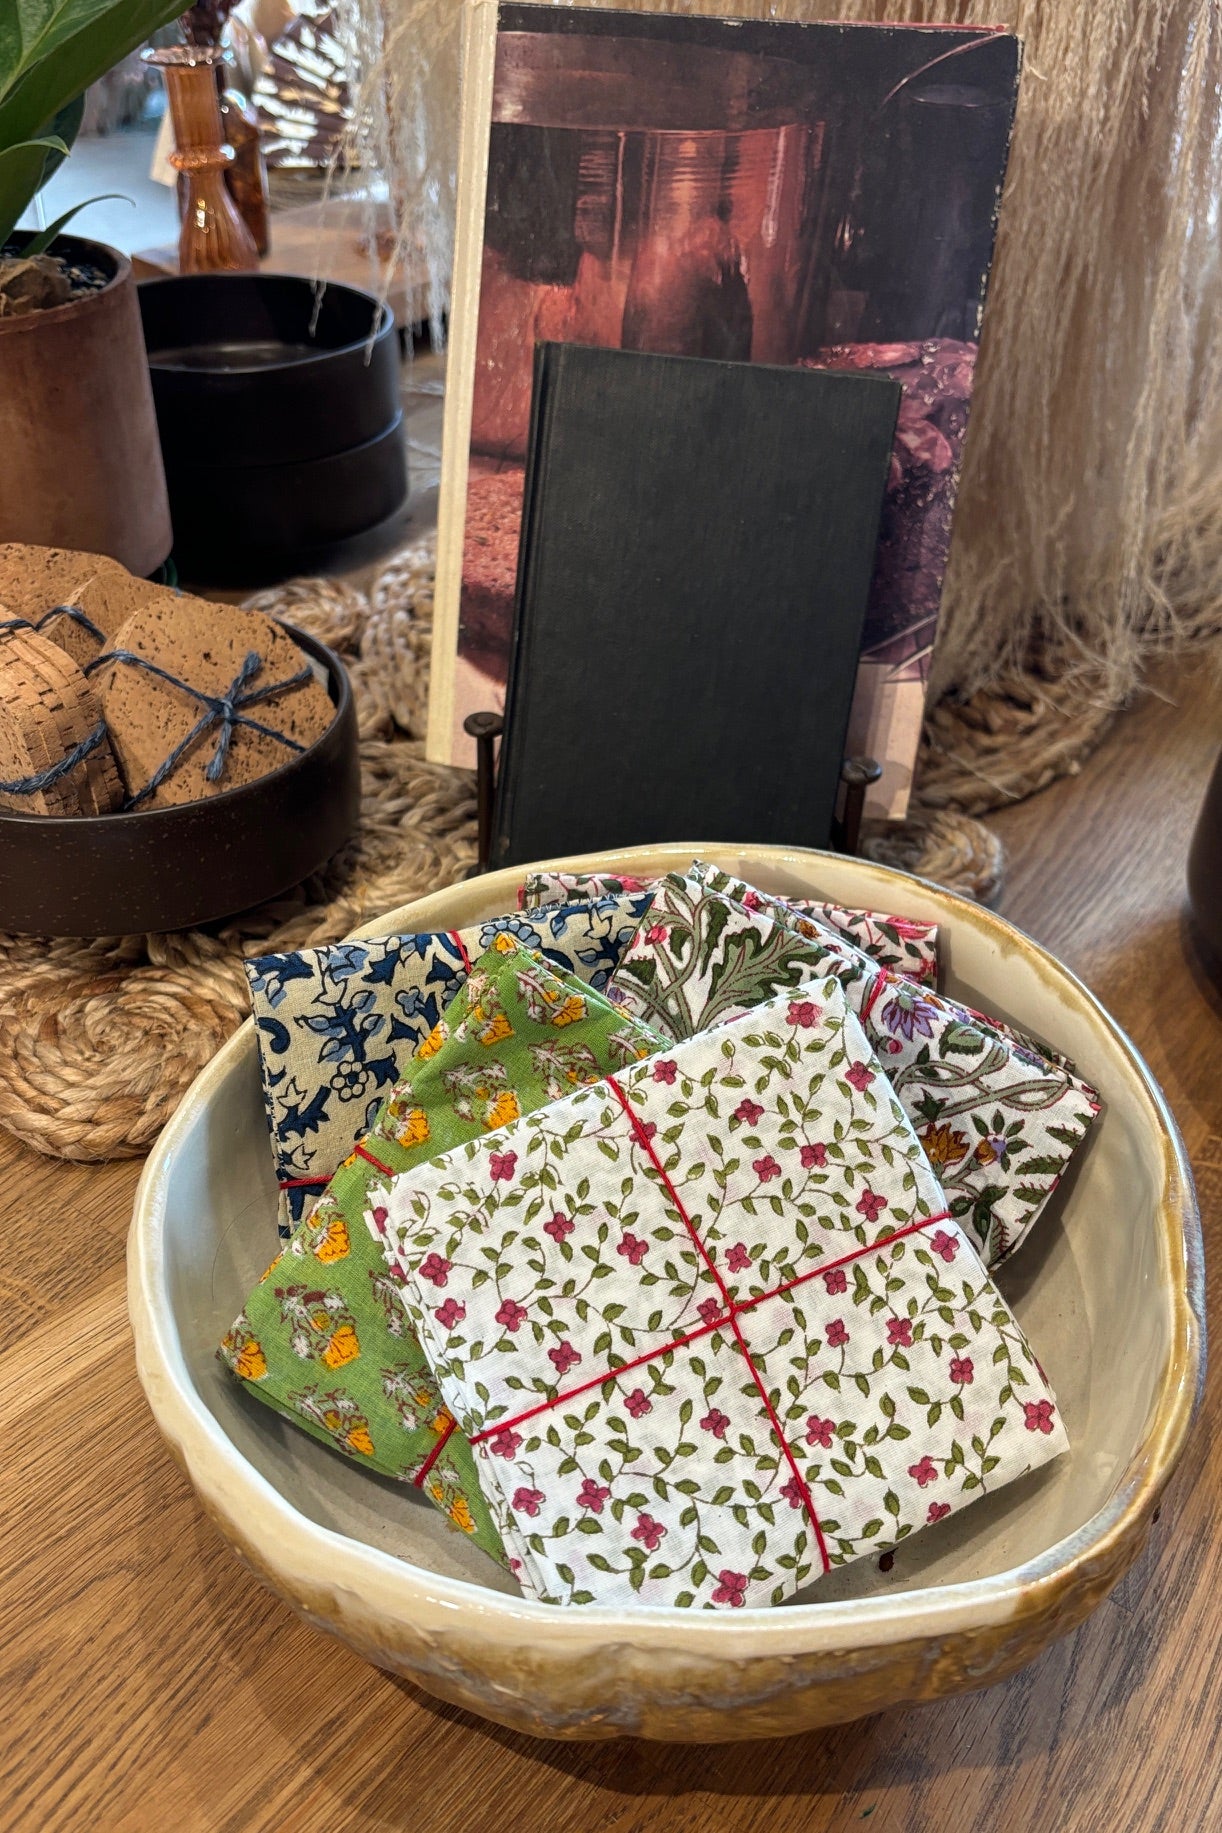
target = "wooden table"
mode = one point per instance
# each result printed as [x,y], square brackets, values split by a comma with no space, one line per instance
[148,1682]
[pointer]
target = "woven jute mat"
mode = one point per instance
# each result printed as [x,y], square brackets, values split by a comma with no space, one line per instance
[102,1037]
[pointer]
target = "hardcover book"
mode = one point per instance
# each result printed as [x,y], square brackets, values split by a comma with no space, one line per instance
[817,195]
[697,546]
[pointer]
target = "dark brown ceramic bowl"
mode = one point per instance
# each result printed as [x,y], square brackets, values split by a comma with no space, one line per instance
[175,868]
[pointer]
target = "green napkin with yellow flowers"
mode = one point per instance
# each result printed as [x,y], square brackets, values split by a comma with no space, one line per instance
[324,1338]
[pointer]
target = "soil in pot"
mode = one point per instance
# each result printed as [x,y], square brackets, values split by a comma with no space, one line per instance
[31,283]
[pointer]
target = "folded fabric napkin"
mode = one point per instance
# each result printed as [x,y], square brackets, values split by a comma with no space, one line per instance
[323,1337]
[796,917]
[998,1124]
[540,889]
[336,1025]
[906,944]
[709,1326]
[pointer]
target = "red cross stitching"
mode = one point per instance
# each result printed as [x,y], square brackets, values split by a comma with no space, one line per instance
[461,946]
[358,1151]
[879,985]
[733,1309]
[450,1426]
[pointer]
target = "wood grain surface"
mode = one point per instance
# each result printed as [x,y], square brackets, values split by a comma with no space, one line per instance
[148,1682]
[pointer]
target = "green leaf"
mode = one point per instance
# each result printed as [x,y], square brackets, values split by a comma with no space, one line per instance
[21,171]
[960,1038]
[1040,1167]
[51,50]
[718,915]
[31,29]
[41,242]
[65,126]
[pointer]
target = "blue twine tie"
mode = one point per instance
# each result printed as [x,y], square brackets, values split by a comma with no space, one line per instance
[54,773]
[227,710]
[73,612]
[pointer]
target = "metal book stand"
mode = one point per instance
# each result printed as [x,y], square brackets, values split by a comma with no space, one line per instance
[856,773]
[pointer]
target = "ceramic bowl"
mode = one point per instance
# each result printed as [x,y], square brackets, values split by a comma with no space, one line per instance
[1110,1291]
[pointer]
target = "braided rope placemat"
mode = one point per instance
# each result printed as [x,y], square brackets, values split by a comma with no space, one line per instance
[1000,746]
[102,1037]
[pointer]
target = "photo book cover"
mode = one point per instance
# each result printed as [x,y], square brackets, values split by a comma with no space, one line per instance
[819,195]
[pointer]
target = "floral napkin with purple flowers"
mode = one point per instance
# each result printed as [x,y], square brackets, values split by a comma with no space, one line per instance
[907,944]
[708,1324]
[337,1025]
[793,914]
[998,1124]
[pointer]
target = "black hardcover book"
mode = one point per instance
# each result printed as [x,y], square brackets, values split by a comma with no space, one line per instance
[697,547]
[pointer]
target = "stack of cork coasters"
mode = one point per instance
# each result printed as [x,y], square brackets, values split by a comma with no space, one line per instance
[55,758]
[118,694]
[201,697]
[79,599]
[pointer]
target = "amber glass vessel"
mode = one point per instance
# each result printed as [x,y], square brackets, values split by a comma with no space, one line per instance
[214,236]
[247,176]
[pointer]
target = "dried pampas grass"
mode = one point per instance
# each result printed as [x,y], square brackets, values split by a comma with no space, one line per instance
[1089,530]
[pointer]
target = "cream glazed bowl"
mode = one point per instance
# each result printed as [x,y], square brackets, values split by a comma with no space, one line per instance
[1110,1290]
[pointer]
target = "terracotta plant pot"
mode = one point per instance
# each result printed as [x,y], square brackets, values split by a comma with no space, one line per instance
[81,460]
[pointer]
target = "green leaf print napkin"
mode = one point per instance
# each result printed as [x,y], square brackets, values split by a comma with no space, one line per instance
[998,1124]
[323,1338]
[793,914]
[709,1326]
[907,944]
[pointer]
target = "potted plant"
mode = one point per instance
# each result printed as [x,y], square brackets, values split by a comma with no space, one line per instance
[81,461]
